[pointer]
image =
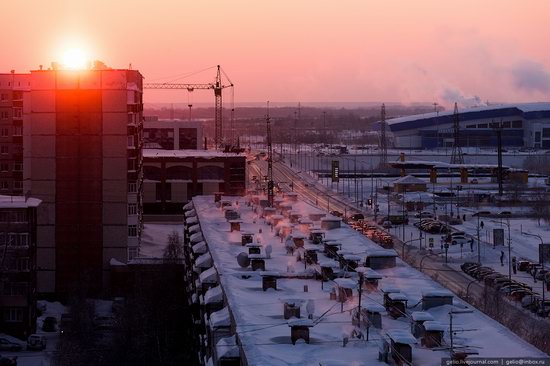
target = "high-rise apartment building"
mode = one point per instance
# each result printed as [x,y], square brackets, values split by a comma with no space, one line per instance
[14,90]
[82,157]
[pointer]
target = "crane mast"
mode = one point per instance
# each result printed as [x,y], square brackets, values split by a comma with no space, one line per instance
[217,86]
[270,184]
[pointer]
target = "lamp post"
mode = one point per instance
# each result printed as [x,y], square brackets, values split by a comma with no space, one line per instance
[478,214]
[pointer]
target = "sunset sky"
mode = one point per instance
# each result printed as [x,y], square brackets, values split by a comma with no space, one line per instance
[301,50]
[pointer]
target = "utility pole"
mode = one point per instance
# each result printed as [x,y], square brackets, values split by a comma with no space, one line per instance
[383,143]
[270,193]
[456,157]
[499,152]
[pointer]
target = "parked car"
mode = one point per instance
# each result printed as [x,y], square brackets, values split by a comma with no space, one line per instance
[482,213]
[36,342]
[424,214]
[461,240]
[7,345]
[357,217]
[65,324]
[49,324]
[474,181]
[336,213]
[387,225]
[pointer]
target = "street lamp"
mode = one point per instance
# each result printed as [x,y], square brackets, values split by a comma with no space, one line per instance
[479,214]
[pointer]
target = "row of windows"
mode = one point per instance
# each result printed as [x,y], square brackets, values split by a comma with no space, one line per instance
[506,124]
[184,173]
[13,315]
[15,289]
[4,184]
[17,131]
[13,216]
[132,231]
[14,239]
[5,167]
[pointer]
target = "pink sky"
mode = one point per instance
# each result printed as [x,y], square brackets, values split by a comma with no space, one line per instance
[301,50]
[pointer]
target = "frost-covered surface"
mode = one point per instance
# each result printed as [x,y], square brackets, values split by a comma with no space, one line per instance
[265,335]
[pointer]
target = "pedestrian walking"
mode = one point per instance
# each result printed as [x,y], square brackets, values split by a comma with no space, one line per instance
[464,217]
[501,258]
[514,268]
[472,245]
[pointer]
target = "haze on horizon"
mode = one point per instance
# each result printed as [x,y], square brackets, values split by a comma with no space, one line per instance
[309,51]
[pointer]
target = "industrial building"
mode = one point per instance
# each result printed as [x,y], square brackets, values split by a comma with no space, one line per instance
[82,155]
[172,134]
[523,126]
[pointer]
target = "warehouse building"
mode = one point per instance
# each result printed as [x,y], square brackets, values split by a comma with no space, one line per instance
[523,126]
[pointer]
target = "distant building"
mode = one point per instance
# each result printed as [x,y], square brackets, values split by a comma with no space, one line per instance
[14,98]
[523,126]
[408,184]
[173,177]
[173,135]
[82,158]
[18,241]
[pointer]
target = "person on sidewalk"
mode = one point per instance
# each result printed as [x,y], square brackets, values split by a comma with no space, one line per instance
[501,258]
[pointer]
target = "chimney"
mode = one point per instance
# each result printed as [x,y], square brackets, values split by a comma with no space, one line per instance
[40,66]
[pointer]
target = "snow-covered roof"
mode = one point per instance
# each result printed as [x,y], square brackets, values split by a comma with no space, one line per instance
[408,179]
[397,296]
[204,154]
[220,318]
[196,237]
[437,293]
[420,316]
[227,348]
[209,276]
[374,308]
[213,295]
[199,248]
[382,253]
[204,261]
[434,326]
[346,283]
[401,336]
[18,202]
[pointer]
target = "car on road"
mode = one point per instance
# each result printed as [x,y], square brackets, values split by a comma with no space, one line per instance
[336,213]
[36,342]
[387,225]
[505,213]
[461,240]
[357,217]
[482,213]
[7,345]
[474,181]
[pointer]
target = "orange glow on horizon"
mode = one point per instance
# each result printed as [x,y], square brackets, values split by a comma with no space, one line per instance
[75,59]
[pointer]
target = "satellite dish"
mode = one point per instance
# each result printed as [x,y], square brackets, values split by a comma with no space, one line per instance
[243,260]
[268,250]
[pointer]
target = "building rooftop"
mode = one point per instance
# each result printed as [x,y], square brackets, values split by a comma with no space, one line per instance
[264,335]
[18,202]
[204,154]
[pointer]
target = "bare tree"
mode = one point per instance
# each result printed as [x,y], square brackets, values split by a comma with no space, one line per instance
[540,208]
[174,247]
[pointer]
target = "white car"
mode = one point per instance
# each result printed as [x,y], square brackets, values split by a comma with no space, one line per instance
[456,239]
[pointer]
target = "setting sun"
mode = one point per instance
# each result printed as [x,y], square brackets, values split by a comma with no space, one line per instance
[75,59]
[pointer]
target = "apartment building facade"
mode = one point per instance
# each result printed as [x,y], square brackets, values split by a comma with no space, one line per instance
[18,239]
[82,156]
[14,93]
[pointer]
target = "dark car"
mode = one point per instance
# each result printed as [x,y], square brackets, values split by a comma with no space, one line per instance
[336,213]
[357,217]
[49,324]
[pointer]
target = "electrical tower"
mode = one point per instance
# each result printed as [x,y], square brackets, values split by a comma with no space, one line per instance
[217,86]
[383,141]
[457,157]
[270,184]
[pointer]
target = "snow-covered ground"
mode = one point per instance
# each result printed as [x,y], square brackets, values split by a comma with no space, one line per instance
[265,335]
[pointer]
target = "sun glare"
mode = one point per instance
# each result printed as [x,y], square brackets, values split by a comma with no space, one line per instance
[75,59]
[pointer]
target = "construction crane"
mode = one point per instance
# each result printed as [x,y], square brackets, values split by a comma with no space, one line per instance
[217,86]
[270,184]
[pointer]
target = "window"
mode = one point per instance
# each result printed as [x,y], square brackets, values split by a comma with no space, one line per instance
[506,124]
[4,185]
[18,239]
[3,96]
[18,131]
[132,231]
[4,149]
[130,118]
[13,315]
[494,125]
[537,136]
[132,209]
[132,164]
[131,141]
[132,253]
[482,125]
[4,115]
[132,188]
[17,113]
[17,184]
[4,132]
[546,133]
[17,167]
[22,264]
[517,124]
[163,193]
[4,167]
[471,126]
